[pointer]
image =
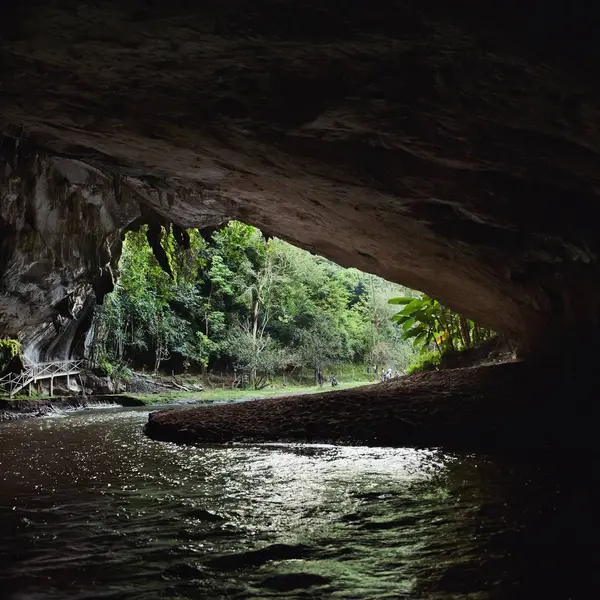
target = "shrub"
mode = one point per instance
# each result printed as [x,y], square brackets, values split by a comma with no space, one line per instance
[114,371]
[104,369]
[9,350]
[426,361]
[122,371]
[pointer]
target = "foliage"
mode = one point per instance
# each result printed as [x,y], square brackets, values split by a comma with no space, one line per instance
[104,369]
[119,370]
[259,358]
[426,361]
[9,350]
[238,300]
[428,323]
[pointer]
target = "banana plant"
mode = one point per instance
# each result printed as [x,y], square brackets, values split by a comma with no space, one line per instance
[425,321]
[420,319]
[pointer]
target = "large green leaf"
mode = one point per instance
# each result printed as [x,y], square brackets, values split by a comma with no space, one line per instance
[413,332]
[420,339]
[408,323]
[405,321]
[412,307]
[398,318]
[401,300]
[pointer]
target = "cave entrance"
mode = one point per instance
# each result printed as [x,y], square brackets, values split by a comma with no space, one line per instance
[235,305]
[241,307]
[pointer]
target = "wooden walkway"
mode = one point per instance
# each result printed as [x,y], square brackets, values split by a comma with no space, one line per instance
[14,383]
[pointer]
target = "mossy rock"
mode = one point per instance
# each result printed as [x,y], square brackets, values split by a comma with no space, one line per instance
[11,358]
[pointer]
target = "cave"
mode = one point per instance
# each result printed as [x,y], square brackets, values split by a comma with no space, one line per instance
[449,147]
[453,151]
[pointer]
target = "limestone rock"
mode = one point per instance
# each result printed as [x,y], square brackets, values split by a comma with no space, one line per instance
[454,150]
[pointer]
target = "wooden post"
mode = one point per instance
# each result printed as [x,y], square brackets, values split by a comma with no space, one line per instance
[29,388]
[52,386]
[68,381]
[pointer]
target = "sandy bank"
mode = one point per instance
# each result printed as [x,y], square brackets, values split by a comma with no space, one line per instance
[491,407]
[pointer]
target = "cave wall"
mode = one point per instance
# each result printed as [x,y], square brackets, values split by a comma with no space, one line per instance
[454,150]
[61,223]
[60,241]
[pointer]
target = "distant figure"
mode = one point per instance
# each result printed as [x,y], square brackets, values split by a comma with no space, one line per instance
[375,369]
[387,375]
[334,381]
[368,369]
[320,378]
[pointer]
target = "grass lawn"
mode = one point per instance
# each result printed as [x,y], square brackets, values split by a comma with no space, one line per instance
[229,394]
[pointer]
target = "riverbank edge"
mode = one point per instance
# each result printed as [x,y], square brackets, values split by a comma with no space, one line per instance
[510,405]
[27,408]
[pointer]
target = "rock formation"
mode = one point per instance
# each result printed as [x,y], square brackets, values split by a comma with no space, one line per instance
[452,150]
[62,222]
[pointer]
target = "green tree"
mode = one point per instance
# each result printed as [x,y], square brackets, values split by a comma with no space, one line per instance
[321,345]
[240,300]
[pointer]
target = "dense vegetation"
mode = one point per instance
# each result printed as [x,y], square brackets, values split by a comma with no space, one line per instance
[240,301]
[429,323]
[9,351]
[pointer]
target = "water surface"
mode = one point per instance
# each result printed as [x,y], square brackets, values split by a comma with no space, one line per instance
[90,508]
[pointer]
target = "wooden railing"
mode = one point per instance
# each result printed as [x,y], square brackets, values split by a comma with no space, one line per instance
[14,383]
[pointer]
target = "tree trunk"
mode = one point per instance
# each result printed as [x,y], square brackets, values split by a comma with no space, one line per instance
[157,360]
[255,322]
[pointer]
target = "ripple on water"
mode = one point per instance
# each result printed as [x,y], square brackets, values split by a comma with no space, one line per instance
[90,508]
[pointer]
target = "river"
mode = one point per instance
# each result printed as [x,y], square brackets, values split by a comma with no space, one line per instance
[90,508]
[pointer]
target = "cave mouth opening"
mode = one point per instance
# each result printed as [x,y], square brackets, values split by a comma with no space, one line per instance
[233,300]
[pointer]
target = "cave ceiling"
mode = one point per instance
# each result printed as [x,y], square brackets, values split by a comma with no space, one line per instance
[451,149]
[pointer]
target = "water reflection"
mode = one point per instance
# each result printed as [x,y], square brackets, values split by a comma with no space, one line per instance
[90,508]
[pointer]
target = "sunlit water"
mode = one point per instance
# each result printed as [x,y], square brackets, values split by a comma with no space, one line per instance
[90,508]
